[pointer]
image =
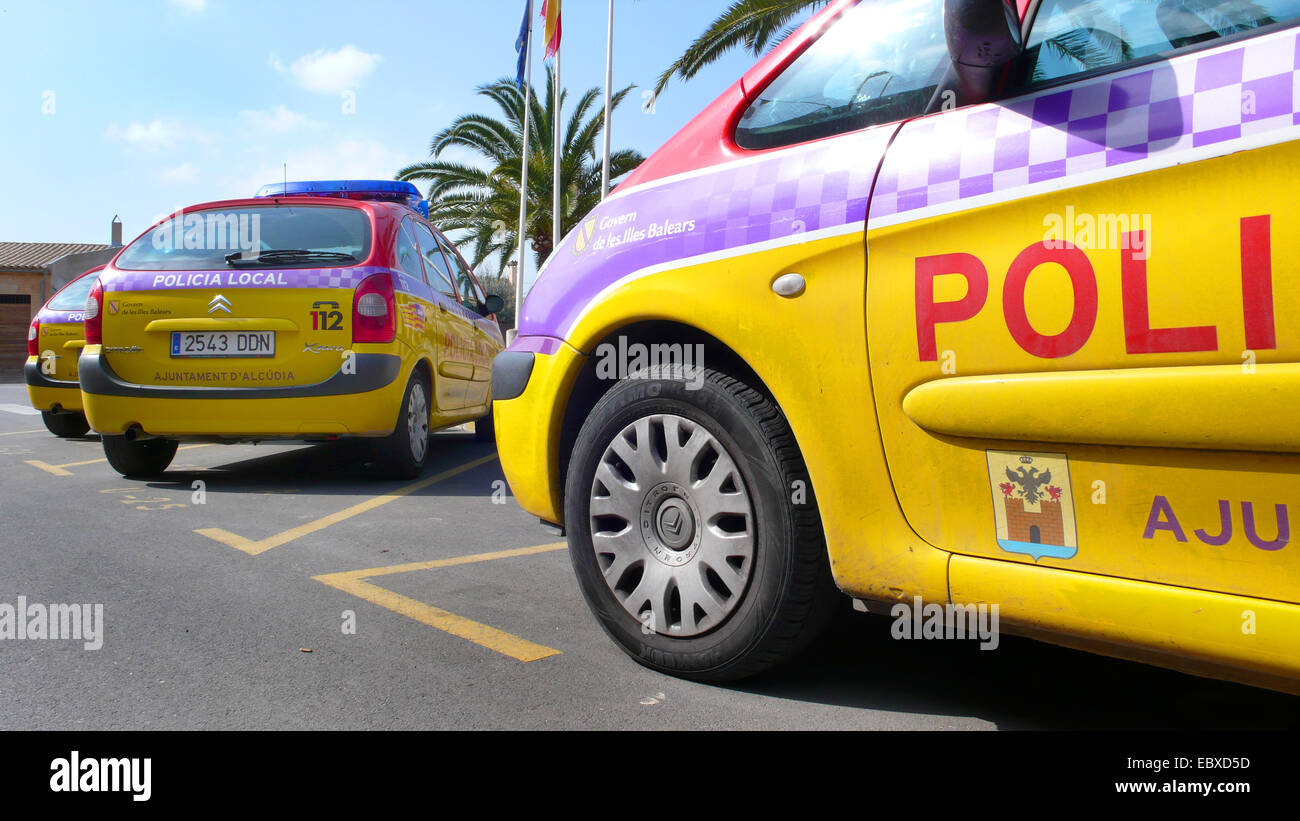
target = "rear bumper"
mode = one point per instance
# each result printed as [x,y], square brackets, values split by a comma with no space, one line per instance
[373,371]
[529,425]
[364,403]
[48,394]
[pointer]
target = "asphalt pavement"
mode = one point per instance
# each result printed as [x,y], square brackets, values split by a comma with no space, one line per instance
[286,586]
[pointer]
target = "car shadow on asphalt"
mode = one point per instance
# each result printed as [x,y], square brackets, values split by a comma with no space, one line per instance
[344,467]
[1023,684]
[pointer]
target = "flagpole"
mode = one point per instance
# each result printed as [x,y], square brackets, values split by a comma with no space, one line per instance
[523,174]
[609,82]
[556,232]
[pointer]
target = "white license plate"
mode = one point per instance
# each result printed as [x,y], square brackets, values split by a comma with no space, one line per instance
[213,344]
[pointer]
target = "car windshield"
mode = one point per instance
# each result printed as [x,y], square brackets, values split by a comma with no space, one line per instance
[320,236]
[73,296]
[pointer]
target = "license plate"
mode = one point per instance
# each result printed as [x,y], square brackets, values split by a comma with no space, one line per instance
[216,344]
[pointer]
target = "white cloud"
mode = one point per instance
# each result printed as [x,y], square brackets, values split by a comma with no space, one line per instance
[183,173]
[348,159]
[277,120]
[330,72]
[190,5]
[156,134]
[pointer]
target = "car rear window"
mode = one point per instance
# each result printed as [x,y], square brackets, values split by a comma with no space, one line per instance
[1072,37]
[202,240]
[73,296]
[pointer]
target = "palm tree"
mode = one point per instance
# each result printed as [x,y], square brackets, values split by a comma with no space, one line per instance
[482,198]
[756,24]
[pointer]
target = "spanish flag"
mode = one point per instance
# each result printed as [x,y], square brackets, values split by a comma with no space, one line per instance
[551,11]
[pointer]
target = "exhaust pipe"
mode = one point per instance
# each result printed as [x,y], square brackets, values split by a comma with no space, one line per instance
[135,433]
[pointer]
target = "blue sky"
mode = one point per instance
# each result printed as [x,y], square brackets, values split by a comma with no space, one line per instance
[139,108]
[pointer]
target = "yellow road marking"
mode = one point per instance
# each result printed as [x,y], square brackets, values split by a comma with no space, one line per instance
[59,470]
[254,548]
[55,469]
[16,432]
[507,644]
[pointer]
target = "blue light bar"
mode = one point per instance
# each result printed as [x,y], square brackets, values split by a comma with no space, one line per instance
[388,190]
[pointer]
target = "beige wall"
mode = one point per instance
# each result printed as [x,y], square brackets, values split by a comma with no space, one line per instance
[23,282]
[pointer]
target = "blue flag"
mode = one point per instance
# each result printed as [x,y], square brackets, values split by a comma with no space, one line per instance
[521,44]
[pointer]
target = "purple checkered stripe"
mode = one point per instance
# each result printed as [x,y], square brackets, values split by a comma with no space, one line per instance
[1189,103]
[757,202]
[777,196]
[117,281]
[59,317]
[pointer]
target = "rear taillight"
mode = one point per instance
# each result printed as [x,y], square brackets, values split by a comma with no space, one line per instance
[95,315]
[374,310]
[33,338]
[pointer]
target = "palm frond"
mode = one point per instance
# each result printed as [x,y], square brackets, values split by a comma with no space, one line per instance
[477,200]
[753,24]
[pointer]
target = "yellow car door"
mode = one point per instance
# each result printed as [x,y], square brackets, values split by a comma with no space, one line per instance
[1079,321]
[447,327]
[418,306]
[484,340]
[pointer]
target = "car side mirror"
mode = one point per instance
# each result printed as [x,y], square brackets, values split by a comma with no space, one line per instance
[492,305]
[983,37]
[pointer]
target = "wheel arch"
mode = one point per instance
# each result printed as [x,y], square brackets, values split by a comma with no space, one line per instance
[424,367]
[588,388]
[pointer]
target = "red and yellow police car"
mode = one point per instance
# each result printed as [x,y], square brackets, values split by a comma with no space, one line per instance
[966,303]
[314,310]
[54,342]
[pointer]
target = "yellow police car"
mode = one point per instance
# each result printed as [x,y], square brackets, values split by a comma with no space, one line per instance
[54,342]
[314,310]
[949,305]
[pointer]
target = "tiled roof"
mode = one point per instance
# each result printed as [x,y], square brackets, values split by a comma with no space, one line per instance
[33,256]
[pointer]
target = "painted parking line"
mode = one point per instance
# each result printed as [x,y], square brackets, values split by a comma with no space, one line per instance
[254,548]
[19,432]
[356,583]
[62,470]
[21,410]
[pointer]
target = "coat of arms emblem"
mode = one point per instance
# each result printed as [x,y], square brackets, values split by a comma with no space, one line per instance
[1033,509]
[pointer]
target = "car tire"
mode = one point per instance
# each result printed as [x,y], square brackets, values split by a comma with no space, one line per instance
[745,591]
[65,424]
[402,454]
[139,459]
[485,429]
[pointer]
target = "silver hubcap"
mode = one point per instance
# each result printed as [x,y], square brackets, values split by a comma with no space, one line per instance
[672,525]
[417,422]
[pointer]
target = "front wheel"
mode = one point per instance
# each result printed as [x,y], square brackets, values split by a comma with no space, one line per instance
[691,541]
[139,459]
[65,424]
[401,454]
